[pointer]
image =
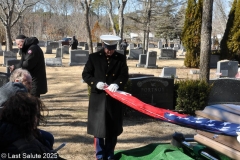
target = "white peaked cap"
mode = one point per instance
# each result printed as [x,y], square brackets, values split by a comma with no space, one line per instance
[110,39]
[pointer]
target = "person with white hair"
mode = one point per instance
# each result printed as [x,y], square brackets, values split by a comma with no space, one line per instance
[105,69]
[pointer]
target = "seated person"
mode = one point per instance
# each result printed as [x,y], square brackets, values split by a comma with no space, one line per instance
[24,77]
[18,126]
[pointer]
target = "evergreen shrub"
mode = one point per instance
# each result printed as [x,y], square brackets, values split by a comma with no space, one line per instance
[191,95]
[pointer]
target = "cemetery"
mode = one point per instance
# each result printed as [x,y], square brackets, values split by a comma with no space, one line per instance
[182,97]
[152,85]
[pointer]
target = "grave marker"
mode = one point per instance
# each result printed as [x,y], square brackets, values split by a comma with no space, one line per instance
[48,49]
[227,68]
[151,60]
[134,54]
[86,46]
[54,44]
[59,53]
[41,43]
[54,62]
[168,72]
[8,55]
[167,53]
[142,60]
[65,49]
[78,57]
[11,62]
[154,90]
[4,78]
[160,45]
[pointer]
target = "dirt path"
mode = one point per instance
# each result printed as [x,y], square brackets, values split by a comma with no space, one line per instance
[67,101]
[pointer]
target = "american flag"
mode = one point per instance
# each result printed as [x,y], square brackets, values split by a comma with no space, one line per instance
[204,124]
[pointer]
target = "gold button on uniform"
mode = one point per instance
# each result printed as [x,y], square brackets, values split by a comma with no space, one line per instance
[120,82]
[113,75]
[106,75]
[91,82]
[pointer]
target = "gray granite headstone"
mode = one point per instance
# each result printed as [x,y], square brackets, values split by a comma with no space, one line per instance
[15,50]
[131,46]
[166,45]
[168,72]
[8,55]
[160,45]
[4,78]
[54,44]
[81,44]
[65,50]
[78,57]
[227,68]
[171,45]
[167,53]
[99,44]
[58,53]
[48,49]
[151,45]
[224,91]
[134,54]
[11,62]
[155,91]
[1,53]
[0,47]
[41,43]
[151,60]
[54,62]
[86,46]
[142,60]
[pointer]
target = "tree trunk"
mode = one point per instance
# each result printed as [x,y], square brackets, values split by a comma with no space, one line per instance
[206,40]
[86,22]
[111,17]
[8,38]
[120,17]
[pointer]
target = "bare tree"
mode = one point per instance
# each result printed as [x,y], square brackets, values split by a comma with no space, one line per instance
[206,31]
[86,7]
[10,12]
[121,6]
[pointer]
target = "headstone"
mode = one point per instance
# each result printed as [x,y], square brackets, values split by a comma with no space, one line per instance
[166,45]
[151,60]
[65,50]
[168,72]
[54,62]
[78,57]
[131,46]
[48,49]
[227,68]
[8,55]
[224,91]
[59,53]
[135,75]
[1,53]
[160,45]
[150,45]
[4,78]
[167,53]
[15,50]
[81,44]
[54,45]
[86,46]
[171,45]
[155,91]
[213,60]
[11,62]
[134,54]
[142,60]
[41,43]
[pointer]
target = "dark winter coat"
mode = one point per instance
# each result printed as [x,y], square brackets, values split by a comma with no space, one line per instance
[14,143]
[105,113]
[33,60]
[74,43]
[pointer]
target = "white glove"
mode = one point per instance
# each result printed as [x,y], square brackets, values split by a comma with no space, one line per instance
[100,85]
[113,87]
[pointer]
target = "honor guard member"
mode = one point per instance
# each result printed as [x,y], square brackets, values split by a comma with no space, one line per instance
[105,69]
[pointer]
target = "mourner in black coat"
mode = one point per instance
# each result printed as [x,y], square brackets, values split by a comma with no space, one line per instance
[105,69]
[74,43]
[32,59]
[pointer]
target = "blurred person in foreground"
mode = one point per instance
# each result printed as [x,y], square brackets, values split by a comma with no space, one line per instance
[32,59]
[105,69]
[23,76]
[19,134]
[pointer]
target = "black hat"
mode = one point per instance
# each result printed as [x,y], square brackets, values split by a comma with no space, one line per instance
[10,89]
[21,36]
